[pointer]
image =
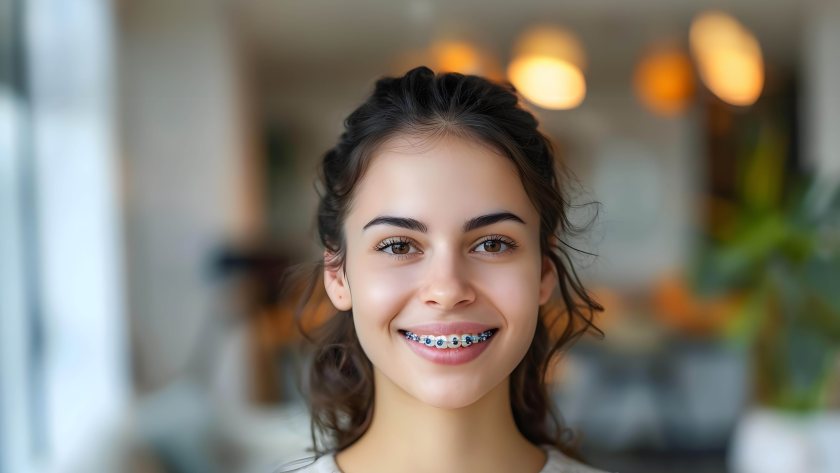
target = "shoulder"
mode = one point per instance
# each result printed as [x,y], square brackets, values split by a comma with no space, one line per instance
[324,464]
[560,463]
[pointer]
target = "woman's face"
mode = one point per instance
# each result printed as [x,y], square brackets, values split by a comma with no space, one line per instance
[441,233]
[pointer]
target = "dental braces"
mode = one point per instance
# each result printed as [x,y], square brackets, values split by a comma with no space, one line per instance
[449,341]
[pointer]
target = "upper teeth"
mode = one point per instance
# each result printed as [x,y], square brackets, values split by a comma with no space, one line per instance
[449,341]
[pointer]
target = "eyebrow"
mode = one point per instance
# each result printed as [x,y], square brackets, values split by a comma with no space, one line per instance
[401,222]
[490,219]
[469,225]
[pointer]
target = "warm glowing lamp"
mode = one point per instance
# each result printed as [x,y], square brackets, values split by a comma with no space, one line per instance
[548,82]
[728,58]
[456,56]
[451,56]
[664,80]
[551,41]
[547,68]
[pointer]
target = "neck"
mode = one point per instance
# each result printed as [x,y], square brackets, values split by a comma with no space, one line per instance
[480,437]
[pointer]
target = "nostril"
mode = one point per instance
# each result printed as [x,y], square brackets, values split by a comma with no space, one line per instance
[448,293]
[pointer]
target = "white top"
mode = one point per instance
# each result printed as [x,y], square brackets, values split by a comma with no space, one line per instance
[557,463]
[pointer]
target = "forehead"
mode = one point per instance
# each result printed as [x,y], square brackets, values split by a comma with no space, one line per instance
[444,179]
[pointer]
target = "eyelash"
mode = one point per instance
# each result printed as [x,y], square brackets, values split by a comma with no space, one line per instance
[511,245]
[387,243]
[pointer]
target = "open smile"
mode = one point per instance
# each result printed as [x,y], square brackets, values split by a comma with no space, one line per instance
[444,342]
[453,349]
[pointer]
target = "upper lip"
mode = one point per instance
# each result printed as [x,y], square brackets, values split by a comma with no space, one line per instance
[448,328]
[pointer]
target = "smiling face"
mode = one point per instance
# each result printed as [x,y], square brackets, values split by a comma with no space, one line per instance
[441,232]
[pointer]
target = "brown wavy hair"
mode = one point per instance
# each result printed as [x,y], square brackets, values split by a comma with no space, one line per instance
[339,388]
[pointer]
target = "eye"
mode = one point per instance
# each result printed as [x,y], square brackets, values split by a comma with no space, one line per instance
[495,244]
[400,247]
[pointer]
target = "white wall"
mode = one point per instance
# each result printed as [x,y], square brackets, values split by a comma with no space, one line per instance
[643,172]
[821,93]
[189,184]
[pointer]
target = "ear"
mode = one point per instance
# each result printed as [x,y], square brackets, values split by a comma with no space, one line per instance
[335,283]
[548,279]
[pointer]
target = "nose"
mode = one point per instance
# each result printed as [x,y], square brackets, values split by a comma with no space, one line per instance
[446,285]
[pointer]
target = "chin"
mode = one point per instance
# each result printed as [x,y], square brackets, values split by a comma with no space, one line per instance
[450,394]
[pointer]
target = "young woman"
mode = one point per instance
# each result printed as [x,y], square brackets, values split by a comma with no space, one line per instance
[442,217]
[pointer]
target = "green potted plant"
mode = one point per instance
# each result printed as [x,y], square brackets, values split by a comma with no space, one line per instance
[783,256]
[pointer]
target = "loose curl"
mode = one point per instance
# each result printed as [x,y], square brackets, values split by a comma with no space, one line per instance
[340,386]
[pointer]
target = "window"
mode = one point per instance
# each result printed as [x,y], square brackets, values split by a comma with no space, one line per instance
[63,355]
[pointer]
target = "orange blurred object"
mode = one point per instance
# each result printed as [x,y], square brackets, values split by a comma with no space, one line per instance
[678,308]
[664,80]
[451,56]
[456,56]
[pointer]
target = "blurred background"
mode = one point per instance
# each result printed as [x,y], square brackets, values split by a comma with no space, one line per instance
[156,168]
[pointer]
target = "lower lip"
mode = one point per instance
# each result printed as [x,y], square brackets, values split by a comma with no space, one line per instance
[449,356]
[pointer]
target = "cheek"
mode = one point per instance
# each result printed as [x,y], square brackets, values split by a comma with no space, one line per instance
[514,289]
[379,294]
